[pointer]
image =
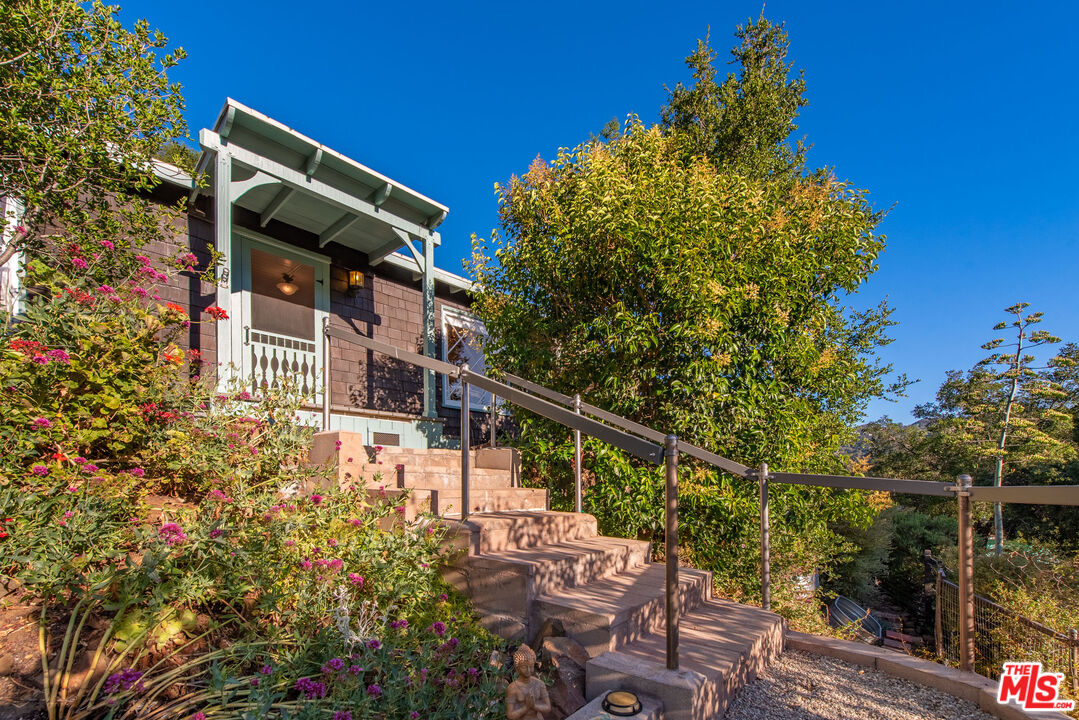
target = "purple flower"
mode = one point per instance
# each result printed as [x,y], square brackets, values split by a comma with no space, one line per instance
[374,644]
[79,263]
[413,715]
[124,680]
[355,669]
[216,532]
[40,470]
[42,422]
[267,670]
[342,715]
[40,360]
[254,682]
[438,628]
[59,356]
[374,690]
[172,534]
[333,665]
[311,689]
[399,624]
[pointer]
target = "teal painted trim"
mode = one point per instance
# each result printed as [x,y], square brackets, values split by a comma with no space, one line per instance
[413,433]
[429,388]
[223,245]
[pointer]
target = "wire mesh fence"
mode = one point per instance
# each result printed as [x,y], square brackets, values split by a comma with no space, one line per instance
[1000,635]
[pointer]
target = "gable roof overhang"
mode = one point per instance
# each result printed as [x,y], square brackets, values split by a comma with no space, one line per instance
[283,175]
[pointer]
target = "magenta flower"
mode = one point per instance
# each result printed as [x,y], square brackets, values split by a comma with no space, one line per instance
[355,579]
[143,259]
[90,468]
[40,470]
[172,534]
[79,263]
[106,290]
[60,356]
[316,499]
[199,716]
[413,715]
[107,244]
[374,690]
[374,644]
[342,715]
[311,689]
[355,669]
[306,564]
[438,628]
[267,670]
[216,532]
[42,422]
[40,360]
[137,472]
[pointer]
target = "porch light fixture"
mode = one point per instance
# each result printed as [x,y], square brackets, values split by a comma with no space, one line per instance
[286,285]
[355,281]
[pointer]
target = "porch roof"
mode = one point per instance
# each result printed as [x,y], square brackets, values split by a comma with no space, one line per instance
[282,174]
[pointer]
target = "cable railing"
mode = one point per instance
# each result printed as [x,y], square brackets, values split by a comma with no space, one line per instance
[656,447]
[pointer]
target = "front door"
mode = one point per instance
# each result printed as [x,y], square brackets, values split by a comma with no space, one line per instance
[284,296]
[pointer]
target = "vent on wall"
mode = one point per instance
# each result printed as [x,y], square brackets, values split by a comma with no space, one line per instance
[381,438]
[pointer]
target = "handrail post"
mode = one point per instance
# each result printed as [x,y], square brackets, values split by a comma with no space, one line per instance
[494,420]
[966,576]
[325,375]
[1073,662]
[670,458]
[766,540]
[465,441]
[577,495]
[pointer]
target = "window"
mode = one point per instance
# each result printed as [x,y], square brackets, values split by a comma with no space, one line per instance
[462,342]
[10,214]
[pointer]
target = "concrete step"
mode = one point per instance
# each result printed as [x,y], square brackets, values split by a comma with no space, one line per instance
[477,478]
[495,532]
[614,611]
[447,503]
[508,582]
[722,646]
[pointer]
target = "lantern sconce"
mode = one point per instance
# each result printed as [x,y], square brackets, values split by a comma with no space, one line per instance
[355,282]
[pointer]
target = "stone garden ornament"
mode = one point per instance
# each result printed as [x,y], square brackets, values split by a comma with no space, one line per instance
[526,696]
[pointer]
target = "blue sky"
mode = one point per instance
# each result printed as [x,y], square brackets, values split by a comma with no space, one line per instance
[960,117]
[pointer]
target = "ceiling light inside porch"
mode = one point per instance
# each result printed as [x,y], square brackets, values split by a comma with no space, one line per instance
[286,285]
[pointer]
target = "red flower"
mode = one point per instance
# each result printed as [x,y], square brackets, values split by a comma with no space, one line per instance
[217,313]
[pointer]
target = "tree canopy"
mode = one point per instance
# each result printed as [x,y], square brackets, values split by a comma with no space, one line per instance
[85,104]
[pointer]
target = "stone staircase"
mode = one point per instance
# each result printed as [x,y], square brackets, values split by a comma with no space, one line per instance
[432,477]
[526,568]
[523,566]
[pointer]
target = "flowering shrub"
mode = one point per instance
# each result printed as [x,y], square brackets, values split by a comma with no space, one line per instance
[232,580]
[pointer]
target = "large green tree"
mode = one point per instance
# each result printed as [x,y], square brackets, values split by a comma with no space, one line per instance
[699,283]
[85,105]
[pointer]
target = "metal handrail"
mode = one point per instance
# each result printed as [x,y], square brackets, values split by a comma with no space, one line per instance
[655,447]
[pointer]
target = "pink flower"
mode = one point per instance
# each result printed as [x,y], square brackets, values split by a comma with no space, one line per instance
[107,244]
[199,716]
[216,532]
[140,291]
[355,579]
[342,715]
[106,290]
[143,259]
[172,534]
[316,499]
[79,263]
[59,356]
[137,472]
[40,470]
[69,514]
[40,360]
[42,422]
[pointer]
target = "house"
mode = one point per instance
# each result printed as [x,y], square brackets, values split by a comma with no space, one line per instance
[307,236]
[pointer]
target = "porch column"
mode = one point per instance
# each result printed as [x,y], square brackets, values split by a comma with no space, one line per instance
[429,386]
[223,245]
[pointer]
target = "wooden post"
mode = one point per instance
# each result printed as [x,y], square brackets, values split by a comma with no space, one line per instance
[966,576]
[938,630]
[1073,665]
[766,540]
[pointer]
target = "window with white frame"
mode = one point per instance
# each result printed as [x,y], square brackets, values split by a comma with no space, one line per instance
[11,212]
[462,342]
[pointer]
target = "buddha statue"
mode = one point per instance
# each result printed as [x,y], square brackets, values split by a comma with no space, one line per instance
[526,696]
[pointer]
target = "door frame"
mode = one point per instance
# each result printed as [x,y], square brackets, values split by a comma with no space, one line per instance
[243,240]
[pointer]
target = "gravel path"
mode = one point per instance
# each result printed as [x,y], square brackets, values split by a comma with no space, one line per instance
[799,686]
